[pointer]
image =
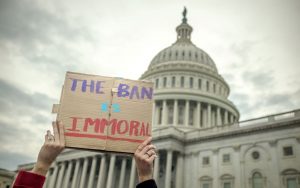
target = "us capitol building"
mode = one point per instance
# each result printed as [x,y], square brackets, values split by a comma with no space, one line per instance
[200,140]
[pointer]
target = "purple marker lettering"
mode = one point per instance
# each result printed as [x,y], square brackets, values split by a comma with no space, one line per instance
[135,92]
[74,84]
[146,92]
[85,85]
[122,90]
[98,87]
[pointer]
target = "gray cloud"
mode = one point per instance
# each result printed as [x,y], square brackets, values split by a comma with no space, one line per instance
[258,79]
[26,23]
[16,101]
[243,50]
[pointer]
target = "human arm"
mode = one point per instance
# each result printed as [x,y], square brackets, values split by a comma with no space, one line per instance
[144,157]
[51,148]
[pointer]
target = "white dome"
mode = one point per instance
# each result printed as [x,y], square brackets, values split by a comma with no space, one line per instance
[184,51]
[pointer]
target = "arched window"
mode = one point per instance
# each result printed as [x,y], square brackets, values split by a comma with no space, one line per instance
[173,81]
[290,178]
[257,180]
[156,83]
[191,82]
[165,82]
[207,85]
[182,81]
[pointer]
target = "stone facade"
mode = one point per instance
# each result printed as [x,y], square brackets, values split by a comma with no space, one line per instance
[6,178]
[201,142]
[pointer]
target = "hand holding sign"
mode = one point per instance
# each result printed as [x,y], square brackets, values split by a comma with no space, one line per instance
[144,157]
[53,145]
[105,113]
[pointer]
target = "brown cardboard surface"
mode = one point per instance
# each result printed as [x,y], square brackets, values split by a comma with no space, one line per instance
[105,113]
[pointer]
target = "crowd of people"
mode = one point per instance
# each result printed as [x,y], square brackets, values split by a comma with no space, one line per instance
[54,144]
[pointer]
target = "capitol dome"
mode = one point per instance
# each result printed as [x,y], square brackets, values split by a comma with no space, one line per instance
[189,92]
[184,50]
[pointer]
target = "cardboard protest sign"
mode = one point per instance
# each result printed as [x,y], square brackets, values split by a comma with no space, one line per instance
[105,113]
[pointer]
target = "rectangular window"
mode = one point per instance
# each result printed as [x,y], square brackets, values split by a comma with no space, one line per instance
[165,81]
[191,82]
[156,83]
[226,158]
[199,83]
[291,183]
[288,151]
[181,115]
[182,81]
[227,185]
[160,116]
[205,160]
[214,88]
[173,81]
[205,185]
[207,86]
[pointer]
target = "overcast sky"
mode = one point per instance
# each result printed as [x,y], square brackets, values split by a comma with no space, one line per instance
[255,45]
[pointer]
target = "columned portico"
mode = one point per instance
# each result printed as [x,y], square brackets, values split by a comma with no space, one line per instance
[168,169]
[122,173]
[102,172]
[61,174]
[175,113]
[84,173]
[68,174]
[187,111]
[132,173]
[179,171]
[111,171]
[92,172]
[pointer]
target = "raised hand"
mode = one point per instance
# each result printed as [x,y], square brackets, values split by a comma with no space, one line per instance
[144,157]
[52,147]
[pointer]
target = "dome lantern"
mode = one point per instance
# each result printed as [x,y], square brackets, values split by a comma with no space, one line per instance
[184,30]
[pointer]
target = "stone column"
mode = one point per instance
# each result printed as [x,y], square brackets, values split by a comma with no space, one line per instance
[102,170]
[226,117]
[156,168]
[168,169]
[231,118]
[154,114]
[198,116]
[61,174]
[275,165]
[46,184]
[164,113]
[84,172]
[111,171]
[132,174]
[208,115]
[215,167]
[179,171]
[53,177]
[123,170]
[76,172]
[175,113]
[187,111]
[92,172]
[157,113]
[237,166]
[219,121]
[68,174]
[204,116]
